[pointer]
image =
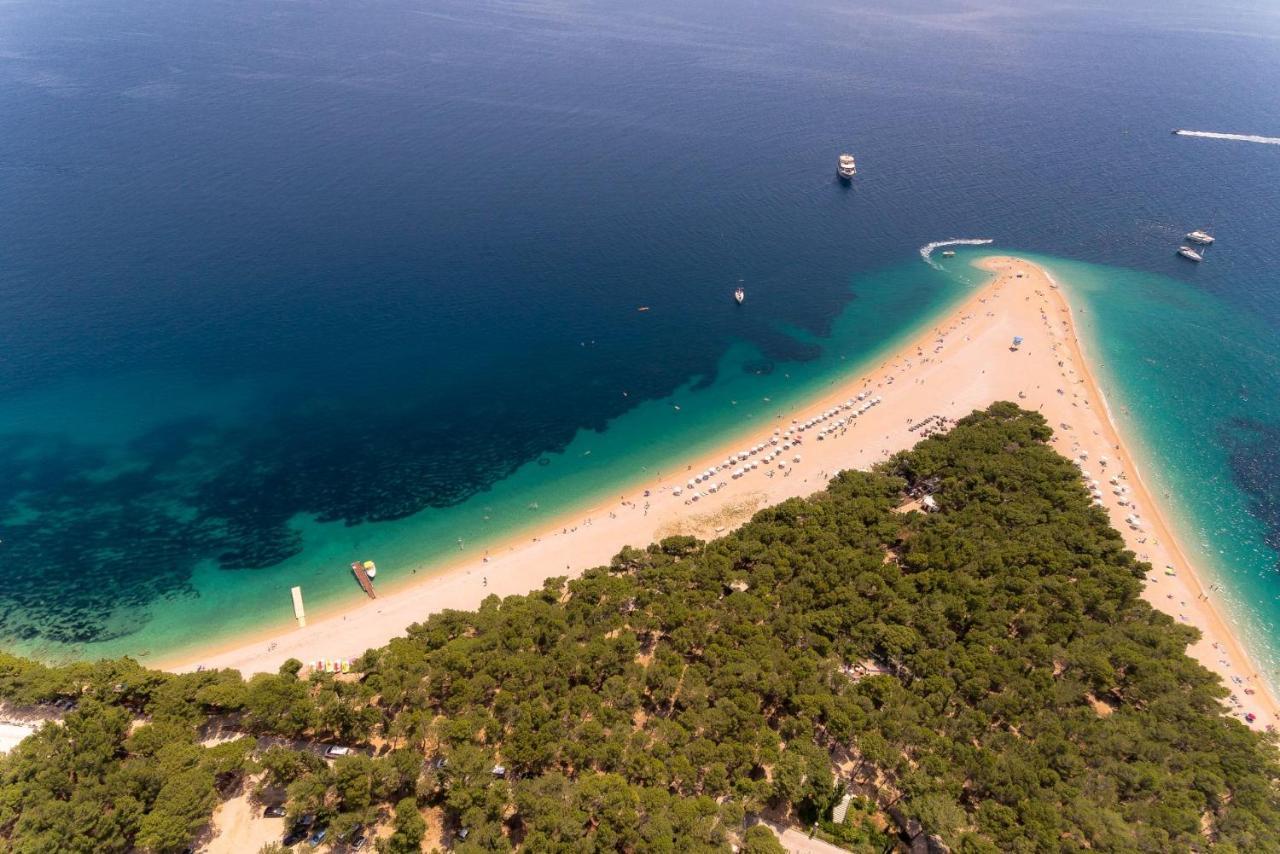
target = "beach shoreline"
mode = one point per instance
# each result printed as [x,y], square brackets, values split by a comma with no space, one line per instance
[437,570]
[967,354]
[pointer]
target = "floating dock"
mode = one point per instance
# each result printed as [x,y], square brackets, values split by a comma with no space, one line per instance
[298,610]
[364,572]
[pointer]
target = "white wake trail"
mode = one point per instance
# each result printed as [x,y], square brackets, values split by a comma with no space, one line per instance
[927,249]
[1238,137]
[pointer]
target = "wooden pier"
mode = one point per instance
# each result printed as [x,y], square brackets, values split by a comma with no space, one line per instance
[362,576]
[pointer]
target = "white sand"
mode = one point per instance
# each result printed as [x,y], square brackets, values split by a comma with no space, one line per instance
[12,733]
[962,364]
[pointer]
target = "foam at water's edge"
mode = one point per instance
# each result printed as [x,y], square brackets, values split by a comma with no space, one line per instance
[927,249]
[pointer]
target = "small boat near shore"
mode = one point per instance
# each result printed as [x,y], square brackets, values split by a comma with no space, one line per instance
[1204,238]
[846,168]
[1189,253]
[949,253]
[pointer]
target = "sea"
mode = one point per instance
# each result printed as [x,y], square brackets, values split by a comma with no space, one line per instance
[290,283]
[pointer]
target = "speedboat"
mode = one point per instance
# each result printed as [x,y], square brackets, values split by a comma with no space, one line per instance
[846,168]
[739,295]
[949,253]
[1204,238]
[1189,253]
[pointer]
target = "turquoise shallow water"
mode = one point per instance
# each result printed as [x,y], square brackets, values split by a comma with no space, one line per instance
[1185,376]
[1194,384]
[888,306]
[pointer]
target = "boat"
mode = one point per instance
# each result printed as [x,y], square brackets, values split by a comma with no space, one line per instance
[846,168]
[739,294]
[949,253]
[1204,238]
[1189,253]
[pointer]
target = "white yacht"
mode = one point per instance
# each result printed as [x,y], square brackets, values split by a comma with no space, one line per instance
[846,168]
[1188,252]
[739,294]
[949,253]
[1204,238]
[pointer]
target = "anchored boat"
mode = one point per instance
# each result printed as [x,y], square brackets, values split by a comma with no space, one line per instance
[846,168]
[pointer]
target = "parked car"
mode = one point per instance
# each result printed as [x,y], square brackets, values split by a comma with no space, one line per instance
[333,751]
[318,836]
[274,811]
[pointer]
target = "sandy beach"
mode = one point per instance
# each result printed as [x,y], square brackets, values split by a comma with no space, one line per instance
[962,363]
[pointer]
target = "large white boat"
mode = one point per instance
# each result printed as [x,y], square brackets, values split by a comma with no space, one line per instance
[739,295]
[846,168]
[1189,253]
[1204,238]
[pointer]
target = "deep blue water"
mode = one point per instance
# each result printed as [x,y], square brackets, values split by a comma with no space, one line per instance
[273,269]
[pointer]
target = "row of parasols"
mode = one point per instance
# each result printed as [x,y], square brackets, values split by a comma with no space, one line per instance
[780,444]
[1121,490]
